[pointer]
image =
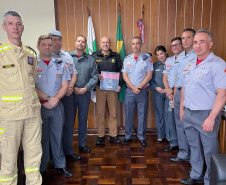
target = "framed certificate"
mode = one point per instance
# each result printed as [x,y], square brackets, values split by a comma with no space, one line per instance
[110,82]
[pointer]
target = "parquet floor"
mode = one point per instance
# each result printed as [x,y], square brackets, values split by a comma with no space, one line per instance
[120,164]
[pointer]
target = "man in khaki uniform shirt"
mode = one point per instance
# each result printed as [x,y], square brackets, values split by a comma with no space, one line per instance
[20,120]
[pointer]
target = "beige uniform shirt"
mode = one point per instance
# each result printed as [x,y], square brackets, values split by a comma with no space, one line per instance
[18,97]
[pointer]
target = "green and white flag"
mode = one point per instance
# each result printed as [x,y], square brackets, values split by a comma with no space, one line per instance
[120,48]
[91,39]
[91,47]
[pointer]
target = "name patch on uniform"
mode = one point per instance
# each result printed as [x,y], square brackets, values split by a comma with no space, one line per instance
[30,60]
[39,70]
[99,60]
[58,75]
[8,66]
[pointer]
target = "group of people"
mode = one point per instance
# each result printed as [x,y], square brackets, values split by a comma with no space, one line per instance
[40,96]
[189,92]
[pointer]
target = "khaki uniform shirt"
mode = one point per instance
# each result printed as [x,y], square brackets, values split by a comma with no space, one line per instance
[18,97]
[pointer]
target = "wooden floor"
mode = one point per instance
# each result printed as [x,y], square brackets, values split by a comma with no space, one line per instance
[122,165]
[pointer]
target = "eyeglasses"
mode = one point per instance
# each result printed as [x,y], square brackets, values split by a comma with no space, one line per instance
[175,45]
[55,40]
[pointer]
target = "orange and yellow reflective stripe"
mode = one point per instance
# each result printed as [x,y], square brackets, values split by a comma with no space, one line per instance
[12,98]
[29,170]
[4,48]
[8,179]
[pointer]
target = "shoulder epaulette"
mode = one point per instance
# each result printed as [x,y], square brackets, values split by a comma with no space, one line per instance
[31,50]
[127,56]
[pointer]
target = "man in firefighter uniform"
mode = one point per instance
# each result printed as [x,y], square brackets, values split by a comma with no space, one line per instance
[137,72]
[51,84]
[107,61]
[202,98]
[20,120]
[68,99]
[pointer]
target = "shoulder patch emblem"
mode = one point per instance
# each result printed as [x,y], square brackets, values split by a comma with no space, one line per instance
[30,60]
[150,61]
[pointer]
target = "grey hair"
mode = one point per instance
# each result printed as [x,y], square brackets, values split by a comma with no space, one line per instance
[11,13]
[137,37]
[205,31]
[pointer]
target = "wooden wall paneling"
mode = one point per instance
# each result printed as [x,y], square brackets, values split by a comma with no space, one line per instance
[218,28]
[62,22]
[180,17]
[171,24]
[162,22]
[146,46]
[154,27]
[104,18]
[96,21]
[197,15]
[188,14]
[137,12]
[206,14]
[86,3]
[70,25]
[78,17]
[112,23]
[128,34]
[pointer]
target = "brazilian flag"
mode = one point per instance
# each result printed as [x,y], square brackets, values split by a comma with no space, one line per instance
[120,48]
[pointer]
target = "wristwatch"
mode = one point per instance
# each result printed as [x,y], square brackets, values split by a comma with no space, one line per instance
[47,98]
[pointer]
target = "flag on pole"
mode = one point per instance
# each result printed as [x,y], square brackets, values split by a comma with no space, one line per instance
[91,47]
[91,39]
[120,48]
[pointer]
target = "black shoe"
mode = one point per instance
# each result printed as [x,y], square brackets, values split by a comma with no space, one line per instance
[160,141]
[191,181]
[177,159]
[126,141]
[73,156]
[171,148]
[114,139]
[100,140]
[143,143]
[84,149]
[64,171]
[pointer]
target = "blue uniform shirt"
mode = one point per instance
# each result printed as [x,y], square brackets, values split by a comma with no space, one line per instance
[181,62]
[49,78]
[66,57]
[157,77]
[170,70]
[137,69]
[202,81]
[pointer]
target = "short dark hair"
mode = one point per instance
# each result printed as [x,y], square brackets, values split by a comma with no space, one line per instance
[160,48]
[191,30]
[176,38]
[137,37]
[44,37]
[11,13]
[81,36]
